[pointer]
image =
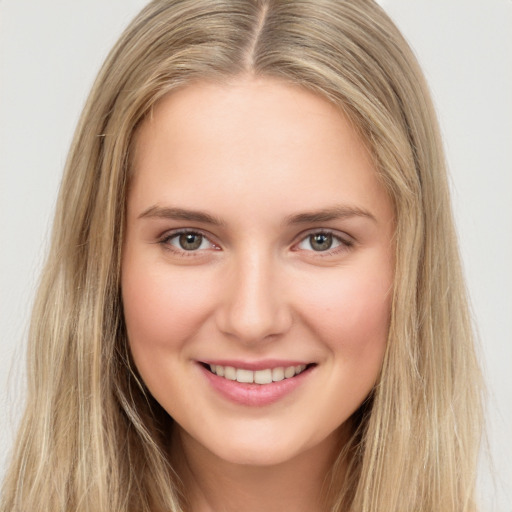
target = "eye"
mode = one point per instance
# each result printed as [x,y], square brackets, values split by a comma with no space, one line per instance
[189,241]
[322,241]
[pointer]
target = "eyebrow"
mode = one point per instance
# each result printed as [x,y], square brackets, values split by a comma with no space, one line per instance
[323,215]
[328,214]
[180,214]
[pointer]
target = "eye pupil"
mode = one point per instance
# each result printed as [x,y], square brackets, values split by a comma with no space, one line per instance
[190,241]
[321,241]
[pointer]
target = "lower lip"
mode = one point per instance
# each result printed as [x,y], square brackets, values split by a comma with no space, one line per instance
[255,395]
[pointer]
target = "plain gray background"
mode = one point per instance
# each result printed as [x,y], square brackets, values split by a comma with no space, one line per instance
[50,52]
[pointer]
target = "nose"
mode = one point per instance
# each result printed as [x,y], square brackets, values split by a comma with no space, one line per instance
[254,307]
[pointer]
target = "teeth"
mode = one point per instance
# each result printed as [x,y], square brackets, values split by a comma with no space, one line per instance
[259,376]
[289,372]
[229,372]
[277,374]
[245,376]
[263,376]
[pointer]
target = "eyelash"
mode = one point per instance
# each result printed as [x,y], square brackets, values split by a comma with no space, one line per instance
[344,243]
[165,242]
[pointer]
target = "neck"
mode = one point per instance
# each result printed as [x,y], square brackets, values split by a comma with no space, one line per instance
[215,485]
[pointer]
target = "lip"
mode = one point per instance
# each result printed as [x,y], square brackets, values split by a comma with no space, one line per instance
[254,395]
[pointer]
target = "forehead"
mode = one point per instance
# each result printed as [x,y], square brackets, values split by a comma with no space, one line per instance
[265,112]
[260,139]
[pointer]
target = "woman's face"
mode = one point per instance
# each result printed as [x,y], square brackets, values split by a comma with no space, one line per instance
[259,246]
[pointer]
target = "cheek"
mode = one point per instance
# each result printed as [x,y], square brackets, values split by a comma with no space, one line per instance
[162,313]
[353,324]
[162,309]
[351,312]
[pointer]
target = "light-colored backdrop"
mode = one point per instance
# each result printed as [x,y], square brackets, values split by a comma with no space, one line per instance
[49,54]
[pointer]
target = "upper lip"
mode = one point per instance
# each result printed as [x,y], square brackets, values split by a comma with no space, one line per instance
[263,364]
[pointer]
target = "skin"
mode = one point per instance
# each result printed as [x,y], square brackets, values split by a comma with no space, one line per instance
[253,154]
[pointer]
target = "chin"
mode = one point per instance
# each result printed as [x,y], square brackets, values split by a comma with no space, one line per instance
[249,448]
[256,456]
[254,450]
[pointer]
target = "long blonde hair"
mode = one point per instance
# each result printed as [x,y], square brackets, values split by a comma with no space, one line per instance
[91,437]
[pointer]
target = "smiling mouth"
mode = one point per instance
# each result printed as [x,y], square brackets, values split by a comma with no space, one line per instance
[264,376]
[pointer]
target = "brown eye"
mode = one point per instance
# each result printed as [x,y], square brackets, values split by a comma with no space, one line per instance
[321,241]
[190,241]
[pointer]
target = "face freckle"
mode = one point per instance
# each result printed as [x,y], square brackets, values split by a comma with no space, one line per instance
[258,245]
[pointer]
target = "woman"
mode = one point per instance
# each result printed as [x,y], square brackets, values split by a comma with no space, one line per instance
[257,188]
